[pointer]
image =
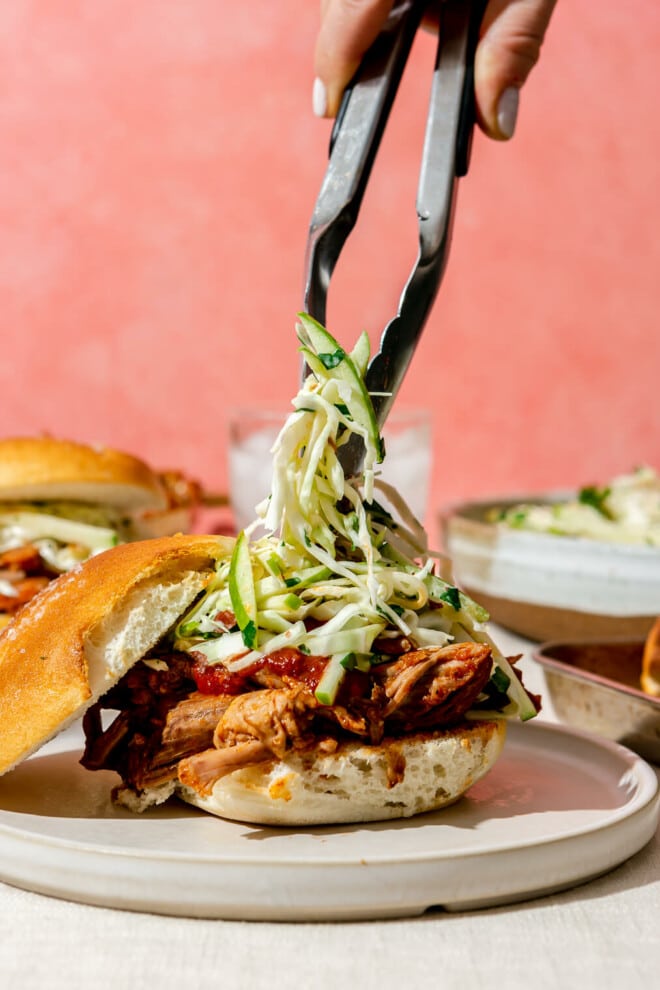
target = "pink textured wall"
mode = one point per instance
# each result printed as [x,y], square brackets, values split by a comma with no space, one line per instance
[158,169]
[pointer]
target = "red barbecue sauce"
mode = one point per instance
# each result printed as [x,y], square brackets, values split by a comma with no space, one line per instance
[227,618]
[217,680]
[214,679]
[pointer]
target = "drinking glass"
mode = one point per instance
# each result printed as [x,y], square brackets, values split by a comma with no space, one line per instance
[252,433]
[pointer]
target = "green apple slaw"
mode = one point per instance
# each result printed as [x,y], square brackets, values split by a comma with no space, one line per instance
[64,533]
[344,567]
[625,510]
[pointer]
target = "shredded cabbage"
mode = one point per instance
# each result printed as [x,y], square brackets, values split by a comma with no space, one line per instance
[339,571]
[61,541]
[625,510]
[65,533]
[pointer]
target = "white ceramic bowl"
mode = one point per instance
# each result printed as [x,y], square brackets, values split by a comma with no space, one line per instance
[552,587]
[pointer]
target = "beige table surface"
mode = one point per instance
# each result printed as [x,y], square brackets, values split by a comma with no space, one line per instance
[604,934]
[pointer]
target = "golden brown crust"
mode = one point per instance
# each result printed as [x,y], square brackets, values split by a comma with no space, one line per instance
[43,668]
[650,679]
[36,468]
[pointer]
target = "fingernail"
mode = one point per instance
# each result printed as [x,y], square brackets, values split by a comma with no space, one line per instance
[507,111]
[319,98]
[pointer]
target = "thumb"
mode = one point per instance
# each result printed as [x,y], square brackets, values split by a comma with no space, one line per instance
[510,45]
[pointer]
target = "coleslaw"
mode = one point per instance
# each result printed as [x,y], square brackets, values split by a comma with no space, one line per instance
[344,567]
[625,510]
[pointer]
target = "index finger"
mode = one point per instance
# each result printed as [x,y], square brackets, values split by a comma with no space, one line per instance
[348,29]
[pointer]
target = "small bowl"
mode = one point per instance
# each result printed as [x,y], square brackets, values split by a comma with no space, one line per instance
[548,587]
[595,685]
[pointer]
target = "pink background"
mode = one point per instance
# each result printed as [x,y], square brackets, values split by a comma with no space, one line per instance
[158,170]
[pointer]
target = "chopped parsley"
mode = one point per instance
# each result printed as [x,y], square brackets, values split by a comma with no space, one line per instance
[596,498]
[331,361]
[452,597]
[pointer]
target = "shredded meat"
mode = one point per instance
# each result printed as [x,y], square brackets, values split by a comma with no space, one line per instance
[202,770]
[157,709]
[167,729]
[263,725]
[277,718]
[101,745]
[257,726]
[190,725]
[28,574]
[420,689]
[194,718]
[393,646]
[26,559]
[435,685]
[180,489]
[26,589]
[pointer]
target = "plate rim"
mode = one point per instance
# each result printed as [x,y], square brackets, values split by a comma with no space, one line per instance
[286,889]
[646,791]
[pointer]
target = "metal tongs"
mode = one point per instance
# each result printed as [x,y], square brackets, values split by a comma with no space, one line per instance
[354,143]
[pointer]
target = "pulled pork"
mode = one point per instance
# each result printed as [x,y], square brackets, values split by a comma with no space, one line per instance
[27,573]
[168,729]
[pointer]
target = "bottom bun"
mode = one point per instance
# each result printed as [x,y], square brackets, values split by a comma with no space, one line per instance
[358,783]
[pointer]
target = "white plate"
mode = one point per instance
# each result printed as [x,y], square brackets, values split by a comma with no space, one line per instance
[545,586]
[558,808]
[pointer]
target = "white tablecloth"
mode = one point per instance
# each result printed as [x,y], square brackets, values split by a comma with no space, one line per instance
[604,934]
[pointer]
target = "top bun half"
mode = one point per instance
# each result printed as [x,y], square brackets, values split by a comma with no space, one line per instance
[80,635]
[46,469]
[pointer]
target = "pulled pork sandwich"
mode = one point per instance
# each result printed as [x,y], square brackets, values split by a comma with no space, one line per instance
[650,679]
[62,502]
[328,671]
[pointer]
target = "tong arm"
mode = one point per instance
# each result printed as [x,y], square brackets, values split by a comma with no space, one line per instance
[355,141]
[445,159]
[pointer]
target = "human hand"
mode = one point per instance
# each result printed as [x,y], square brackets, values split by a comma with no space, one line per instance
[512,32]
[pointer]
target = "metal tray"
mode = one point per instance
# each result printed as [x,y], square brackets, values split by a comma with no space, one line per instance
[594,684]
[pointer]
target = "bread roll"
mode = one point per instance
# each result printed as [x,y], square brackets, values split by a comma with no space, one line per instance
[355,784]
[650,679]
[44,468]
[61,502]
[78,637]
